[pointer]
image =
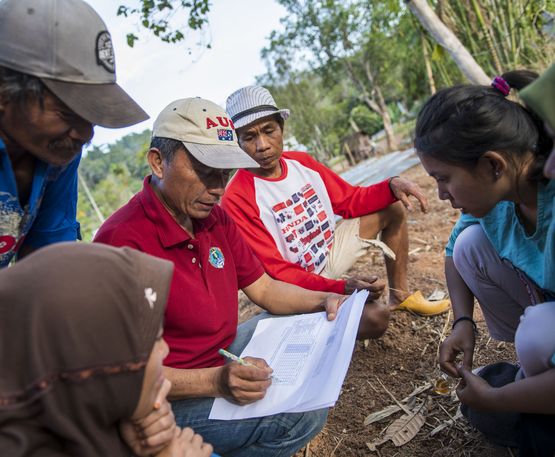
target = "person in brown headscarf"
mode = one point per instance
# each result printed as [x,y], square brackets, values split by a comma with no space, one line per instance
[81,356]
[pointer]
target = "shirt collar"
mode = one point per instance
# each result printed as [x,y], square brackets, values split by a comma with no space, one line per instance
[170,233]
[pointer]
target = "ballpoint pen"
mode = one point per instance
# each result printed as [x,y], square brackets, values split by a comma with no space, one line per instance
[239,360]
[235,358]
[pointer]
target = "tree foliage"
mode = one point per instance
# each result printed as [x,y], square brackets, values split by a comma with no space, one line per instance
[165,18]
[376,55]
[340,66]
[502,35]
[369,44]
[111,175]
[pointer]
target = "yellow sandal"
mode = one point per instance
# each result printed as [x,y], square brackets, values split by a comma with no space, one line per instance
[419,305]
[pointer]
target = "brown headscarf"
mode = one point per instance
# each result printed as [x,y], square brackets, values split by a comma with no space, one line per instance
[77,325]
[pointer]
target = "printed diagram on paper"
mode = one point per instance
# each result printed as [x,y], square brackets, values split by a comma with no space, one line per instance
[309,356]
[294,350]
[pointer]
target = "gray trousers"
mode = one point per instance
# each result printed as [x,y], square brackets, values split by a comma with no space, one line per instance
[508,300]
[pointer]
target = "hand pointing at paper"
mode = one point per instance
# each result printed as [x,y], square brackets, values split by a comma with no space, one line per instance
[281,298]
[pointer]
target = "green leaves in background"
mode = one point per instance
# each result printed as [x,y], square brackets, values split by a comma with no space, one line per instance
[109,177]
[166,19]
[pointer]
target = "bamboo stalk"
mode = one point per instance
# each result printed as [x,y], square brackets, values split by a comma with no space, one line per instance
[428,64]
[498,25]
[512,34]
[89,194]
[487,35]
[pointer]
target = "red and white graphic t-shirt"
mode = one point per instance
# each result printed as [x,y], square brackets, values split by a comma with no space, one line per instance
[289,221]
[300,222]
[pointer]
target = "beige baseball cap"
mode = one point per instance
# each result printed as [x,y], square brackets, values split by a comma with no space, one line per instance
[205,130]
[66,44]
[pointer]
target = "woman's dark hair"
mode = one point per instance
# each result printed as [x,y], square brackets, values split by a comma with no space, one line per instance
[19,87]
[459,124]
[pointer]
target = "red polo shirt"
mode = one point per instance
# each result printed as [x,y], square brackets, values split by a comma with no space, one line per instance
[201,315]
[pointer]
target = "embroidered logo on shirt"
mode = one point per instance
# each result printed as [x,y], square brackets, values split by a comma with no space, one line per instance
[150,296]
[216,257]
[7,242]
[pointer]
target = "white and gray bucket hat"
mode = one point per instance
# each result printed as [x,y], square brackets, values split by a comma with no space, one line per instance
[251,103]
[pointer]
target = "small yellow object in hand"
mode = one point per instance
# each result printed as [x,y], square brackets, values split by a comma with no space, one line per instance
[443,385]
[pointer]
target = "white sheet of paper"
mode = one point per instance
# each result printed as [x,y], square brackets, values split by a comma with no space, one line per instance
[310,357]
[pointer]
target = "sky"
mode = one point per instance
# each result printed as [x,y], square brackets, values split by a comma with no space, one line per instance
[155,73]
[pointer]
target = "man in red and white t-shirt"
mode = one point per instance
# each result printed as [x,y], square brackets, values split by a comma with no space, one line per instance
[287,208]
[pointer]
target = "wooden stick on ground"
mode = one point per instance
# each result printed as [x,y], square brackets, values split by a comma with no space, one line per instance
[443,332]
[336,446]
[399,404]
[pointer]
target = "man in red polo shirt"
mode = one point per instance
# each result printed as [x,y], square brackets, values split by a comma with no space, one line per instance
[176,217]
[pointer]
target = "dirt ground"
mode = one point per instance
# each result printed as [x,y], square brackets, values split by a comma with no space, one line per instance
[383,372]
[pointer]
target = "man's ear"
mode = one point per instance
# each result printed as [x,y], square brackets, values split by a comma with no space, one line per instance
[496,163]
[156,162]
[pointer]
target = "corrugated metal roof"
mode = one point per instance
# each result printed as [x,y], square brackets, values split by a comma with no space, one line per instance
[376,169]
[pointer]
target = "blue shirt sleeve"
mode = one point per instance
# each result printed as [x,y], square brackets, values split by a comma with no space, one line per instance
[549,255]
[56,219]
[465,220]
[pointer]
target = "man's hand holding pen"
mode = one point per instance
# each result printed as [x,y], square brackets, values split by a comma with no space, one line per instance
[245,383]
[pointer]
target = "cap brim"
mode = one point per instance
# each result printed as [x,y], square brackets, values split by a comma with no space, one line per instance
[220,156]
[250,118]
[107,105]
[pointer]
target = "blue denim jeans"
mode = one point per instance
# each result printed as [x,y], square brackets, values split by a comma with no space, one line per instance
[280,435]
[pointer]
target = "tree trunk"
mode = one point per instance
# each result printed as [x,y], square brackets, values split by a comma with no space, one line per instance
[428,63]
[378,106]
[92,201]
[447,39]
[354,125]
[349,154]
[320,150]
[392,144]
